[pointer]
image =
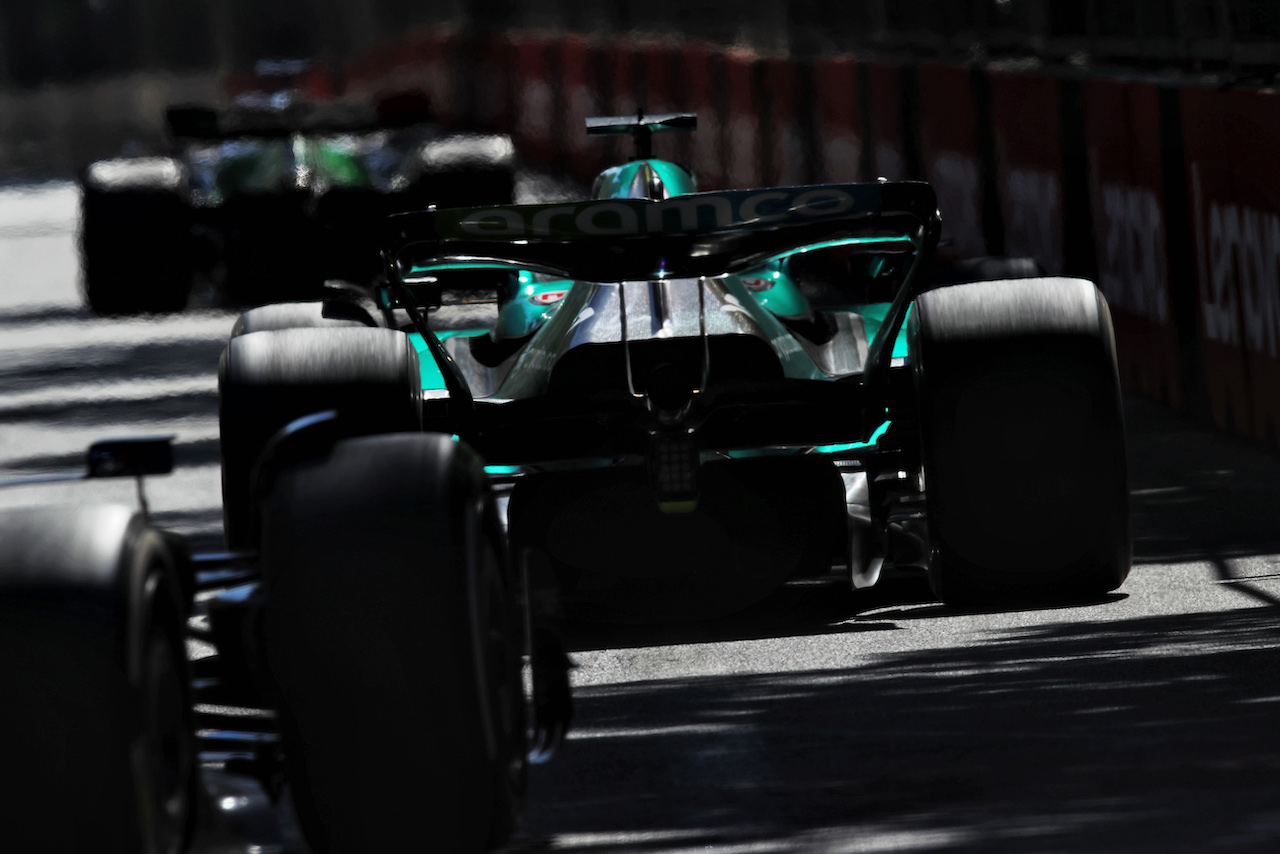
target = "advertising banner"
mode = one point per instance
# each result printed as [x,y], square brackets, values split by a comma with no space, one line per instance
[1252,231]
[1127,194]
[949,149]
[1216,231]
[889,154]
[1024,112]
[742,129]
[535,107]
[704,74]
[786,147]
[839,120]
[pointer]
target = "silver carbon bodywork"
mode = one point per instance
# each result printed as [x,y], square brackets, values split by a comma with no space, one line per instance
[671,309]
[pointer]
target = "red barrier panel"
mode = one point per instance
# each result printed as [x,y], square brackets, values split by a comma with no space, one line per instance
[664,91]
[703,70]
[1024,111]
[493,93]
[1230,140]
[787,167]
[742,131]
[620,62]
[886,122]
[421,61]
[839,120]
[1122,131]
[1253,120]
[949,148]
[535,102]
[433,55]
[580,99]
[1216,232]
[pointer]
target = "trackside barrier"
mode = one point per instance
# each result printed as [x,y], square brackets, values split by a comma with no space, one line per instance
[491,94]
[839,120]
[885,126]
[1234,182]
[580,99]
[949,149]
[398,71]
[1216,232]
[434,57]
[1025,116]
[782,127]
[1122,128]
[742,131]
[664,92]
[1253,233]
[621,67]
[704,77]
[535,102]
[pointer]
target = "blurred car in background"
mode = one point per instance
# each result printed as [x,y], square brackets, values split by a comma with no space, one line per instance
[272,196]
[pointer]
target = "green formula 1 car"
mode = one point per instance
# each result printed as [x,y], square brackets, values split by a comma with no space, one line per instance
[680,400]
[273,177]
[672,403]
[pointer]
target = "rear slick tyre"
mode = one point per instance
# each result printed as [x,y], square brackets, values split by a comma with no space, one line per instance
[268,379]
[1023,444]
[392,638]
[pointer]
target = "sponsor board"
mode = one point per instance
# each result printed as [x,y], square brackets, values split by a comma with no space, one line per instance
[1209,180]
[703,68]
[1126,179]
[1024,111]
[949,145]
[886,118]
[839,120]
[535,101]
[787,151]
[1131,252]
[743,137]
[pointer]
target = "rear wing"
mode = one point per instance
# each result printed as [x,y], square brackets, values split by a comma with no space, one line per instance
[641,128]
[691,236]
[627,240]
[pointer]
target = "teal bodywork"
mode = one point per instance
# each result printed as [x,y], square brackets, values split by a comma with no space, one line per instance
[769,294]
[629,180]
[531,301]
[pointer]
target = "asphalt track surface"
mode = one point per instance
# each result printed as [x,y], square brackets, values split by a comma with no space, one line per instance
[819,720]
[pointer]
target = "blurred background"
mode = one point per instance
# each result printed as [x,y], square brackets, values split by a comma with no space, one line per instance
[1129,142]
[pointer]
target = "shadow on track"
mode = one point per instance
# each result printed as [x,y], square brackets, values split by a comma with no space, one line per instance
[1109,736]
[131,361]
[1197,494]
[809,607]
[26,315]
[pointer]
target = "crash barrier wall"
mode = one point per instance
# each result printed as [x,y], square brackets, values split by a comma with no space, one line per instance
[1164,192]
[949,152]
